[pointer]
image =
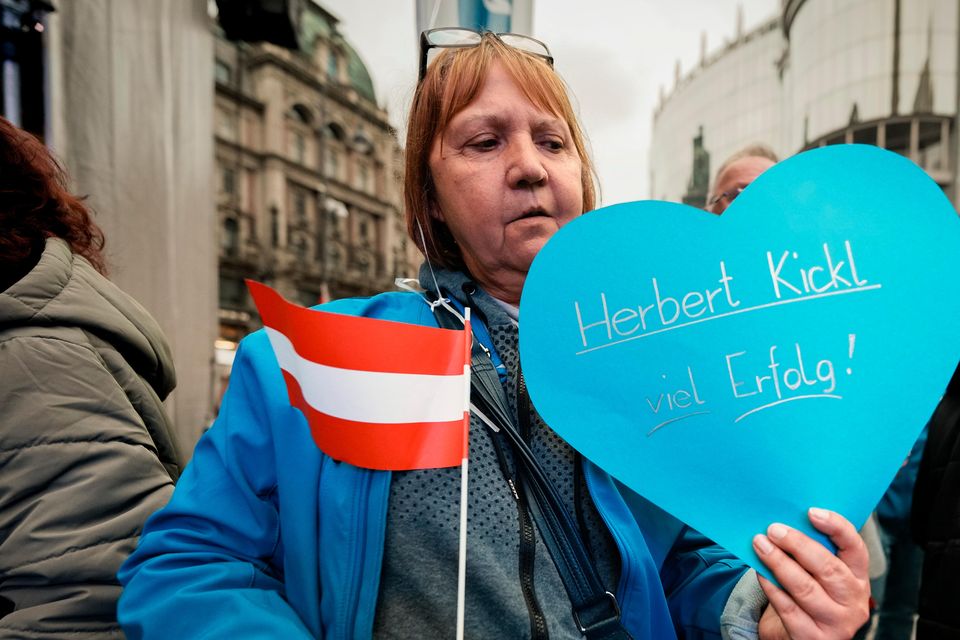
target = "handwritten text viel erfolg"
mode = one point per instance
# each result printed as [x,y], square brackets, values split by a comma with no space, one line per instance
[783,373]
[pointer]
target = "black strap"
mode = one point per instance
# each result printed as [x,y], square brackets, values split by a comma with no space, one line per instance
[595,610]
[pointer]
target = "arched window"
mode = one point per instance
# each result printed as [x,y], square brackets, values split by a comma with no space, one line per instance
[335,130]
[362,142]
[300,113]
[299,126]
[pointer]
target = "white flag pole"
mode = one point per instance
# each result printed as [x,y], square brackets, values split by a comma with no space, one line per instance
[462,568]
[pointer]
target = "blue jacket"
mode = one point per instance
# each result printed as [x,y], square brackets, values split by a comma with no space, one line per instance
[265,536]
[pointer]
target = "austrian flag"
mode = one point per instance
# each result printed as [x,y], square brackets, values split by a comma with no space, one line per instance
[377,394]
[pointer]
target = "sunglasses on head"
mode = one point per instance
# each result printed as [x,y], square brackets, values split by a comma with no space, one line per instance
[458,37]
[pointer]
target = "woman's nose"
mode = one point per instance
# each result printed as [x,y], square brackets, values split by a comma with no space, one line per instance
[526,165]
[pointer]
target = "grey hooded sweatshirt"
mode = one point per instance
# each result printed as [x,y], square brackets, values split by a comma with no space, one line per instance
[86,450]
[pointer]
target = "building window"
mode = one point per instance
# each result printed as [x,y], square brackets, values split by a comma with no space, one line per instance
[933,137]
[249,195]
[229,180]
[301,114]
[232,292]
[23,76]
[865,135]
[333,65]
[923,139]
[898,137]
[300,206]
[363,177]
[362,142]
[335,225]
[227,124]
[230,241]
[378,180]
[332,162]
[222,72]
[299,147]
[334,131]
[274,227]
[300,248]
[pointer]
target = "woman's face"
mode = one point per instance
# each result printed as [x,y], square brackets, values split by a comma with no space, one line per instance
[507,176]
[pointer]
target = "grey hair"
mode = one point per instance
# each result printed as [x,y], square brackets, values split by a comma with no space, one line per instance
[757,150]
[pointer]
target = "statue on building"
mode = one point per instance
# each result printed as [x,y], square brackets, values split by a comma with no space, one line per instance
[699,183]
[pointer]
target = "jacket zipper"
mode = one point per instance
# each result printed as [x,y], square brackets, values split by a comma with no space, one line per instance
[350,605]
[528,544]
[528,548]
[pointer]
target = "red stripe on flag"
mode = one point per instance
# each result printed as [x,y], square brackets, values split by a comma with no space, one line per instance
[392,447]
[467,362]
[353,342]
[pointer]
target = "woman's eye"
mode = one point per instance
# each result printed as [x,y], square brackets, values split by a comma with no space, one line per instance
[484,144]
[553,144]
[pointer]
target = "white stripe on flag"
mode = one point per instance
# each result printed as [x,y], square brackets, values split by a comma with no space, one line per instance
[371,396]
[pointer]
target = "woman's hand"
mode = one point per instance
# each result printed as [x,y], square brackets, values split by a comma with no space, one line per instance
[824,596]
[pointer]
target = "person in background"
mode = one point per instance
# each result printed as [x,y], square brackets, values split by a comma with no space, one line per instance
[935,520]
[738,171]
[266,536]
[86,451]
[895,591]
[733,176]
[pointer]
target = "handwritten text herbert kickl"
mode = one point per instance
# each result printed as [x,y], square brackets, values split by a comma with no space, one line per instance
[785,373]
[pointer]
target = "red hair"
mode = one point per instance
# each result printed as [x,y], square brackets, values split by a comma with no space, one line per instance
[452,81]
[35,204]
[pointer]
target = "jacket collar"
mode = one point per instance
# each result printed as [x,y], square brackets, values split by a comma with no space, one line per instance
[462,287]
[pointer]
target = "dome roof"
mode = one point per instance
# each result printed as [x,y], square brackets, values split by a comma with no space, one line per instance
[358,74]
[318,23]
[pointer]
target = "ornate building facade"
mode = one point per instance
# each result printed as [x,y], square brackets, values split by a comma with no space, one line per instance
[309,196]
[819,72]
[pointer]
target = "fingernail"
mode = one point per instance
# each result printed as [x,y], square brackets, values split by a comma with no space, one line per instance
[819,514]
[776,531]
[761,542]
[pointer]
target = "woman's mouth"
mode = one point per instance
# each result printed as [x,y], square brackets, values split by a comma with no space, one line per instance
[533,213]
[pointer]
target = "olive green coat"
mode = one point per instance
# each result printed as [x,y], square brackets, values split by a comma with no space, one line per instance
[86,450]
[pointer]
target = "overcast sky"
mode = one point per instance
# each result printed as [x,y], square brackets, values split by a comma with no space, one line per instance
[614,55]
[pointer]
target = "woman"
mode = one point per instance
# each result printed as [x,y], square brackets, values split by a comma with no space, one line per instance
[267,536]
[86,452]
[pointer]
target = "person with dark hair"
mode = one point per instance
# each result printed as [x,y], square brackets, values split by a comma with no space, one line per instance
[267,536]
[86,451]
[935,520]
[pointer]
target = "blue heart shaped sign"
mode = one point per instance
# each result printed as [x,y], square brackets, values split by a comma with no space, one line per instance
[736,370]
